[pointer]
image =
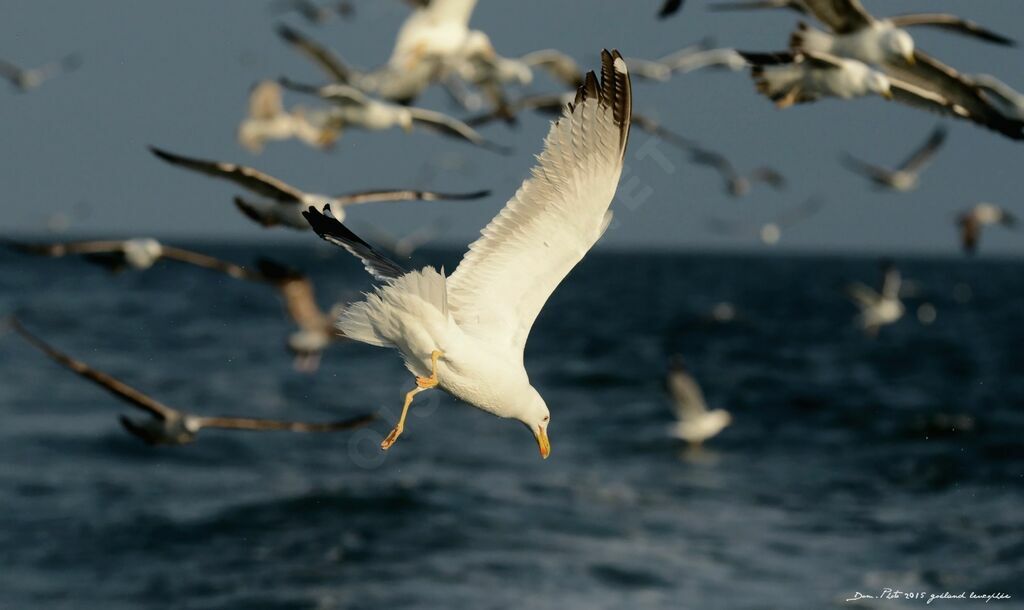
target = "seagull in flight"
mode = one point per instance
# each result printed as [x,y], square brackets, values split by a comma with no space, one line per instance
[907,175]
[975,219]
[878,308]
[316,331]
[849,18]
[696,423]
[466,333]
[885,44]
[269,121]
[286,203]
[689,59]
[26,79]
[353,108]
[138,254]
[807,76]
[167,425]
[770,232]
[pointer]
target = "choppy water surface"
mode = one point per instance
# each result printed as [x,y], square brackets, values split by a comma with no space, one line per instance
[853,465]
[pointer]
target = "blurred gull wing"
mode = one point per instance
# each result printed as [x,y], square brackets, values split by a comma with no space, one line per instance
[924,155]
[296,291]
[951,23]
[207,262]
[246,423]
[323,57]
[405,195]
[246,177]
[449,126]
[117,388]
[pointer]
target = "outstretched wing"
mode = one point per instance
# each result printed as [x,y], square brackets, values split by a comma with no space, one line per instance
[953,24]
[967,100]
[554,218]
[246,423]
[923,155]
[115,387]
[320,54]
[405,195]
[247,177]
[874,172]
[687,397]
[841,16]
[449,126]
[208,262]
[329,229]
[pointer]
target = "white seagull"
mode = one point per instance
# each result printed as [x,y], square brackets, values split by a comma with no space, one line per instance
[287,202]
[466,333]
[690,59]
[907,175]
[973,220]
[353,108]
[878,308]
[268,120]
[799,78]
[26,79]
[885,44]
[696,423]
[138,254]
[316,330]
[770,232]
[167,425]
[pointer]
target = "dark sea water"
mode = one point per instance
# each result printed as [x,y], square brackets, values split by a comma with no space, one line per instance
[852,465]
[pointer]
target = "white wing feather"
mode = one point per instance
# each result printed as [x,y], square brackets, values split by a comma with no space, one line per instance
[554,218]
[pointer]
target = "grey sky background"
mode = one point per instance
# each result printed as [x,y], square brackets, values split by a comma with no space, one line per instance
[177,75]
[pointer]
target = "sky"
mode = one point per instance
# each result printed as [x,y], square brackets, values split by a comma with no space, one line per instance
[177,75]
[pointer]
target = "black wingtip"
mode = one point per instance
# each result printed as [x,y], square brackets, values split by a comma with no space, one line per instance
[325,224]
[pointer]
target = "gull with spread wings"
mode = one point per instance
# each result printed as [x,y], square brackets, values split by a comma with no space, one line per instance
[905,177]
[269,121]
[466,333]
[26,79]
[139,254]
[878,308]
[353,108]
[696,423]
[167,425]
[286,203]
[856,34]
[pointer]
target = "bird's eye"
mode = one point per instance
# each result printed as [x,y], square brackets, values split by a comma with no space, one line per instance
[547,418]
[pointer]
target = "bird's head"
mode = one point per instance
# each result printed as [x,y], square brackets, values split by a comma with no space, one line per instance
[879,83]
[536,416]
[899,43]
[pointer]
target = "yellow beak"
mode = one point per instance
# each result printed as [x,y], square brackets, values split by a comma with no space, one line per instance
[887,94]
[911,58]
[543,442]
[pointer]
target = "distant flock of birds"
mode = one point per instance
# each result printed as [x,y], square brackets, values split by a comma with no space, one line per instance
[465,333]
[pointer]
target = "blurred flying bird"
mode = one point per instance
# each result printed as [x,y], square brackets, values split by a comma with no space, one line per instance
[769,232]
[696,423]
[138,254]
[166,425]
[26,79]
[878,308]
[975,219]
[353,108]
[287,203]
[268,120]
[906,176]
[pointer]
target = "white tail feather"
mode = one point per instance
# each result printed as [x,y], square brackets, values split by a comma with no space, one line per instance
[418,294]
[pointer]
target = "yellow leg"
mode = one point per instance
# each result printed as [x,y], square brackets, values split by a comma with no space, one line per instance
[422,383]
[430,382]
